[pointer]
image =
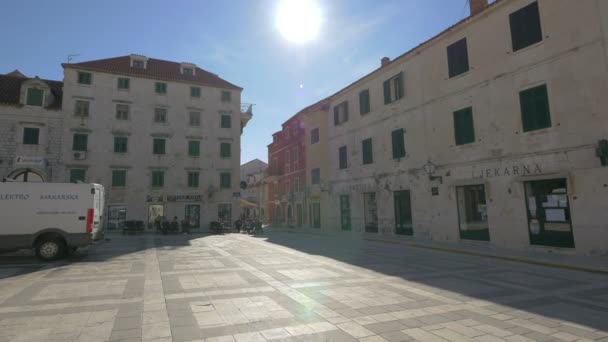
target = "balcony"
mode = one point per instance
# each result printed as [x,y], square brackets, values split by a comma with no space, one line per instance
[246,114]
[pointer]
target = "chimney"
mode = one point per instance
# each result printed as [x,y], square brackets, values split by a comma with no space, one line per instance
[477,6]
[384,61]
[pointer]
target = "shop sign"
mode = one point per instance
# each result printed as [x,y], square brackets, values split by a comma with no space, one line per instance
[174,198]
[152,198]
[507,171]
[29,161]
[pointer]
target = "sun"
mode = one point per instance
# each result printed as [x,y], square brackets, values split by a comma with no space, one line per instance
[299,21]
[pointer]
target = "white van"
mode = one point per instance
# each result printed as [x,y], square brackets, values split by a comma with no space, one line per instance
[52,218]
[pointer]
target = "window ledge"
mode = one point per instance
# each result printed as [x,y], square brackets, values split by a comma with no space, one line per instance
[462,75]
[537,131]
[529,47]
[466,146]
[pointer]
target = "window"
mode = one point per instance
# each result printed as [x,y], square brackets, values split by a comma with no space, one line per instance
[224,212]
[341,113]
[194,148]
[195,118]
[464,131]
[458,58]
[472,213]
[122,112]
[342,157]
[35,97]
[158,146]
[314,136]
[188,71]
[81,108]
[296,184]
[31,135]
[315,215]
[287,187]
[525,26]
[139,64]
[117,215]
[364,105]
[158,179]
[192,215]
[195,91]
[403,213]
[161,88]
[315,176]
[549,220]
[393,88]
[84,77]
[226,96]
[225,121]
[77,175]
[368,153]
[123,83]
[119,178]
[160,115]
[80,142]
[225,150]
[535,112]
[225,180]
[120,144]
[398,143]
[287,160]
[370,208]
[193,179]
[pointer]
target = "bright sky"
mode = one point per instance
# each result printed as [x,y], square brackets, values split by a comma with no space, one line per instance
[237,39]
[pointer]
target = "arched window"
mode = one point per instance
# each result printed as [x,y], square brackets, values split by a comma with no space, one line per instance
[27,175]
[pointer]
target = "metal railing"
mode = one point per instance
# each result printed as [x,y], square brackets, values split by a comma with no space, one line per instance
[247,108]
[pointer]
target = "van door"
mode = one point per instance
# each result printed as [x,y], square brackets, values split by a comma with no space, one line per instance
[98,204]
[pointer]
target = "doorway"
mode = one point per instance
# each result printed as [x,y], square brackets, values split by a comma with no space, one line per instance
[549,221]
[403,213]
[345,212]
[155,212]
[192,215]
[299,214]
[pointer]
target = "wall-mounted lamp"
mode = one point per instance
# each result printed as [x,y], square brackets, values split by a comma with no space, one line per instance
[430,170]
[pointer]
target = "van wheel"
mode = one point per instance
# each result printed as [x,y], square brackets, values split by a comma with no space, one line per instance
[50,249]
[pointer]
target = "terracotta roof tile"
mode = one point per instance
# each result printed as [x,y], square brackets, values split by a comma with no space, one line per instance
[155,68]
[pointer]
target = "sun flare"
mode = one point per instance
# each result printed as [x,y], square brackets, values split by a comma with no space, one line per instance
[299,21]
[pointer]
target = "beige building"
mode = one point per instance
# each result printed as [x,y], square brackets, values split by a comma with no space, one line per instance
[317,171]
[489,132]
[253,189]
[30,128]
[162,137]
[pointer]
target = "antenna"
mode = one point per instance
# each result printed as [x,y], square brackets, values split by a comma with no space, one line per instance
[71,57]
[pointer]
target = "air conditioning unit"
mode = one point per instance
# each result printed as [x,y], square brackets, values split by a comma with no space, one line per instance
[80,155]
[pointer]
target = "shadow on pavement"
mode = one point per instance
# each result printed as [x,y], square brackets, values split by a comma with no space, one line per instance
[572,296]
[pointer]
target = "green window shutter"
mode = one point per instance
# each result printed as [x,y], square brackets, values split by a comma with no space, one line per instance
[194,148]
[80,142]
[525,26]
[399,86]
[398,143]
[77,175]
[119,178]
[159,146]
[226,121]
[120,144]
[195,91]
[535,111]
[34,97]
[387,91]
[458,58]
[343,158]
[31,135]
[84,77]
[345,104]
[225,150]
[464,130]
[367,151]
[336,116]
[158,179]
[225,180]
[193,178]
[123,83]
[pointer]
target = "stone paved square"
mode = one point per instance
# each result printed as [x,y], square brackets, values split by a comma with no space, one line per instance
[292,287]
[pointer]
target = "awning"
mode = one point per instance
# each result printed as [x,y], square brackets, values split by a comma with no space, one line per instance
[247,204]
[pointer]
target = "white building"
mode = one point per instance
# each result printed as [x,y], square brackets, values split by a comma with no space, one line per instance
[489,132]
[30,128]
[253,189]
[162,137]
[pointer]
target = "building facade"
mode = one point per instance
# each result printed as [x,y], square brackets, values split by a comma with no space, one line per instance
[317,177]
[287,174]
[253,189]
[491,132]
[162,137]
[30,128]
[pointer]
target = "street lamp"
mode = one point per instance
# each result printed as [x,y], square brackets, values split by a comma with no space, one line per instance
[430,168]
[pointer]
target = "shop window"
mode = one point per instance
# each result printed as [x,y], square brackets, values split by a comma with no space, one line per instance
[370,208]
[403,213]
[224,212]
[117,215]
[472,213]
[548,209]
[192,215]
[345,212]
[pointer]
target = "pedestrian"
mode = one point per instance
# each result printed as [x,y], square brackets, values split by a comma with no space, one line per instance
[175,225]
